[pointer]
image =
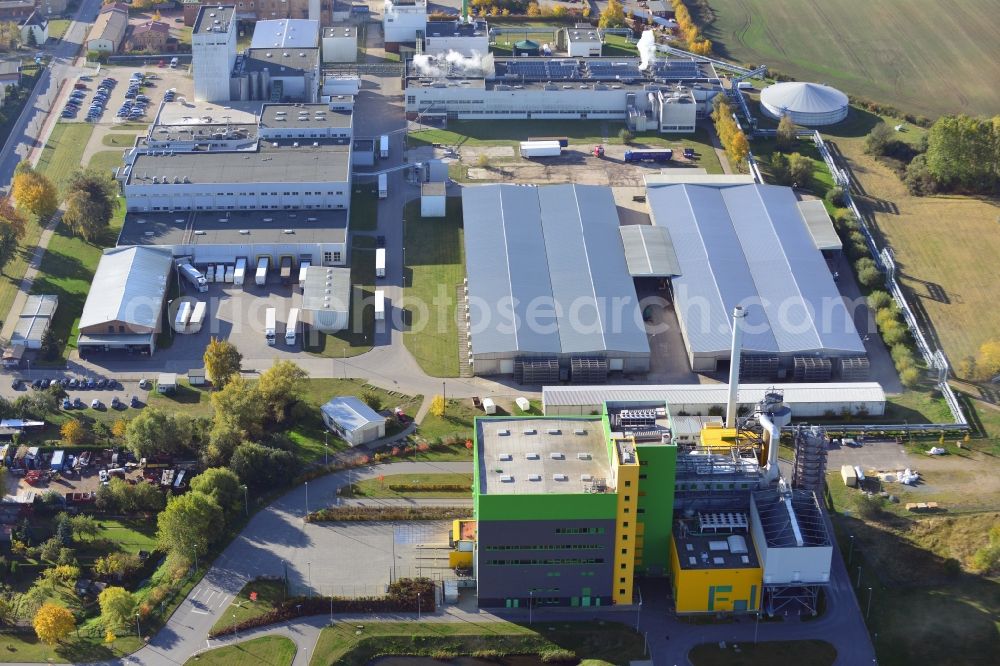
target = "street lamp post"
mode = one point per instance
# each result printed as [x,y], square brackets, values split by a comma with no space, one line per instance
[307,497]
[868,612]
[638,609]
[195,549]
[859,578]
[235,628]
[326,448]
[309,576]
[246,502]
[850,552]
[418,606]
[756,626]
[138,630]
[531,604]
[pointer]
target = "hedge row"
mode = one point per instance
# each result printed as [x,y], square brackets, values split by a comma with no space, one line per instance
[406,595]
[384,513]
[429,487]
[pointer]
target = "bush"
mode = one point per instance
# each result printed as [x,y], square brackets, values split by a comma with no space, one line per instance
[918,179]
[383,513]
[879,300]
[429,488]
[894,334]
[626,136]
[836,197]
[868,273]
[902,357]
[910,377]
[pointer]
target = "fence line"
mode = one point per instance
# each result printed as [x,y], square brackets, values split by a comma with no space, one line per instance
[934,358]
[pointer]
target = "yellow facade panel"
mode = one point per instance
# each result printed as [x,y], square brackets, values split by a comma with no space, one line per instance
[712,590]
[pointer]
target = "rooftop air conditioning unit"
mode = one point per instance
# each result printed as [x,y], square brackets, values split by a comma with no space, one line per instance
[555,455]
[534,477]
[506,457]
[560,477]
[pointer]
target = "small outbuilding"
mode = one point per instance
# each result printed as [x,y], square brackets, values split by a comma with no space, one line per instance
[352,420]
[340,43]
[196,377]
[35,320]
[433,200]
[167,383]
[526,47]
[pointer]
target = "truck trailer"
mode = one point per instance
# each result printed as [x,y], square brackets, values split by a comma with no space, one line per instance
[379,305]
[380,262]
[530,149]
[383,186]
[183,317]
[240,272]
[303,269]
[194,276]
[383,146]
[292,327]
[197,317]
[261,276]
[286,270]
[649,155]
[270,321]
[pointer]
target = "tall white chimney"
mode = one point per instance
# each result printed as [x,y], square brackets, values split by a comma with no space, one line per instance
[734,365]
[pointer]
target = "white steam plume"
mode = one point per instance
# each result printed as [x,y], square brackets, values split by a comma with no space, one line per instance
[647,49]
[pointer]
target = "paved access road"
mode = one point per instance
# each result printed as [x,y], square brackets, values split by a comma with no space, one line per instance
[46,101]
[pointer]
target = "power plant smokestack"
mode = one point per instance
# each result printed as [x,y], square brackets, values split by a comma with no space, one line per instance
[734,365]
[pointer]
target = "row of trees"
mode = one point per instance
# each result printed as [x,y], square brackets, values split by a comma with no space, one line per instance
[795,169]
[984,365]
[732,137]
[696,42]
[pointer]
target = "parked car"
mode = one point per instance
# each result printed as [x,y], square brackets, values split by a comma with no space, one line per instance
[66,404]
[689,153]
[144,383]
[15,384]
[115,402]
[135,401]
[103,475]
[102,382]
[96,404]
[77,402]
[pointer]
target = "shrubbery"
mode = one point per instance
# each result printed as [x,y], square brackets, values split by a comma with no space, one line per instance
[383,513]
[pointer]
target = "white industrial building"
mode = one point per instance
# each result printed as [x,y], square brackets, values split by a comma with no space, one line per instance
[352,420]
[468,38]
[213,52]
[669,97]
[750,245]
[805,400]
[433,199]
[34,321]
[285,34]
[549,293]
[340,43]
[581,41]
[326,298]
[124,308]
[809,104]
[402,19]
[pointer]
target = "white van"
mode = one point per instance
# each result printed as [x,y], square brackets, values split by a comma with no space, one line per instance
[174,62]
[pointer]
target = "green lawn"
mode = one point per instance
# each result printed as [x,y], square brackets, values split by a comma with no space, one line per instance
[705,155]
[822,181]
[126,535]
[364,207]
[510,132]
[360,333]
[269,594]
[814,653]
[269,650]
[194,401]
[119,140]
[601,642]
[57,28]
[105,161]
[62,154]
[435,267]
[457,420]
[27,648]
[379,488]
[66,270]
[935,58]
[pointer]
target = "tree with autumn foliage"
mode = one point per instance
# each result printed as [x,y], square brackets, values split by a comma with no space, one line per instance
[612,16]
[53,623]
[12,229]
[438,406]
[73,432]
[33,192]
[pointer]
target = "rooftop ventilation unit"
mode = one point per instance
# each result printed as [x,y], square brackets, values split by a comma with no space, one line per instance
[507,478]
[579,431]
[555,455]
[560,477]
[554,431]
[535,477]
[533,456]
[583,456]
[245,232]
[530,431]
[503,433]
[587,477]
[506,457]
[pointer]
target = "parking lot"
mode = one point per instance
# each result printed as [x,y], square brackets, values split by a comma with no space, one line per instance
[158,81]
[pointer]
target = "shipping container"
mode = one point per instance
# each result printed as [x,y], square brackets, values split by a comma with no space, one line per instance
[56,463]
[269,325]
[210,273]
[220,273]
[285,270]
[230,274]
[383,186]
[531,149]
[303,268]
[383,146]
[183,318]
[649,155]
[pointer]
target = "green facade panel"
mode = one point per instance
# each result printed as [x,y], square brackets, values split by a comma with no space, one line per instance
[657,475]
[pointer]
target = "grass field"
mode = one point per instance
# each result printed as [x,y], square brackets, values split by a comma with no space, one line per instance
[359,336]
[814,653]
[105,161]
[58,28]
[269,594]
[379,488]
[435,266]
[62,154]
[119,140]
[942,245]
[601,643]
[270,650]
[937,57]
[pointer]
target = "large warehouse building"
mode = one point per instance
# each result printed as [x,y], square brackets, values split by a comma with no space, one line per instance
[668,97]
[750,245]
[549,292]
[809,104]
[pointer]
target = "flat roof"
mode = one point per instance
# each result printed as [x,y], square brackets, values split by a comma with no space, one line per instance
[722,550]
[648,251]
[281,61]
[213,18]
[820,225]
[329,162]
[304,115]
[456,28]
[285,33]
[548,262]
[794,520]
[538,449]
[227,227]
[709,394]
[341,30]
[350,413]
[327,288]
[749,245]
[582,35]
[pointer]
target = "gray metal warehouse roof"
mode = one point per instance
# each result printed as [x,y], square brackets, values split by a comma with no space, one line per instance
[228,227]
[820,225]
[648,251]
[749,245]
[350,413]
[128,286]
[552,254]
[688,394]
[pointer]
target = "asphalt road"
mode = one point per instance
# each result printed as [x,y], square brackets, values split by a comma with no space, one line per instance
[49,95]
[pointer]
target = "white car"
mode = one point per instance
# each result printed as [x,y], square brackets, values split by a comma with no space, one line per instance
[96,404]
[144,384]
[103,475]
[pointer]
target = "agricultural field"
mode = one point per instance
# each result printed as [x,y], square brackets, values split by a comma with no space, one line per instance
[939,57]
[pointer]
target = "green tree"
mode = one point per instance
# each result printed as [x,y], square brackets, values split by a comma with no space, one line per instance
[800,170]
[154,432]
[117,608]
[222,362]
[116,566]
[785,138]
[879,140]
[222,485]
[222,441]
[279,387]
[191,523]
[372,399]
[261,467]
[962,153]
[90,204]
[613,15]
[84,526]
[12,229]
[240,406]
[780,171]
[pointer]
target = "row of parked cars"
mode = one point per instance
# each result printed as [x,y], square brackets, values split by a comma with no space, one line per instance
[83,384]
[96,403]
[135,104]
[79,95]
